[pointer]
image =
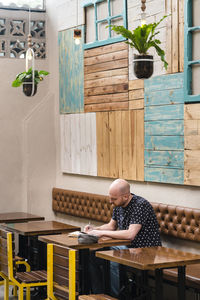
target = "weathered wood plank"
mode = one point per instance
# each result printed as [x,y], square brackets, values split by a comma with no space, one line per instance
[114,172]
[119,132]
[175,36]
[105,49]
[90,144]
[108,89]
[75,143]
[192,177]
[136,104]
[106,81]
[65,144]
[99,128]
[106,106]
[164,143]
[192,111]
[106,57]
[172,127]
[111,65]
[192,160]
[71,73]
[181,35]
[169,35]
[106,74]
[170,96]
[191,127]
[98,99]
[136,84]
[133,145]
[165,112]
[160,83]
[174,159]
[139,164]
[125,144]
[164,175]
[136,94]
[192,142]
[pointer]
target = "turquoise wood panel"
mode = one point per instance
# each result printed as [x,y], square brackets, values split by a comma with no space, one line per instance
[171,96]
[164,142]
[71,72]
[165,175]
[164,82]
[164,112]
[170,159]
[164,129]
[174,127]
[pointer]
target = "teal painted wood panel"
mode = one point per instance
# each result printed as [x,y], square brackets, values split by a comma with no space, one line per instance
[171,96]
[170,159]
[164,82]
[164,112]
[164,129]
[174,127]
[71,72]
[165,175]
[164,142]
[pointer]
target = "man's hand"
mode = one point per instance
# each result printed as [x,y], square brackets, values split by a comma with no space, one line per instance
[98,233]
[88,228]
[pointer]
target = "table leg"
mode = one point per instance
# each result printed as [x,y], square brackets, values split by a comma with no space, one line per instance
[181,282]
[84,271]
[159,284]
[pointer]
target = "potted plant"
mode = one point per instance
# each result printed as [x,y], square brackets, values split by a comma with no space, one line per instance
[26,78]
[142,39]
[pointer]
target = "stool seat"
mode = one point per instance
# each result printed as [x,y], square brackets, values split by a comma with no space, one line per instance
[96,297]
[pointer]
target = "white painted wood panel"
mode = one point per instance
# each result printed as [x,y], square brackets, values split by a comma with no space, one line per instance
[78,144]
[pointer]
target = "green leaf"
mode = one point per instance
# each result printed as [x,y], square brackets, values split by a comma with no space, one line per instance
[43,73]
[16,83]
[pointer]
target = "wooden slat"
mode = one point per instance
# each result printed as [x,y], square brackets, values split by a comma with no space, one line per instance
[106,74]
[169,35]
[191,127]
[108,89]
[106,98]
[106,106]
[192,111]
[133,145]
[119,132]
[114,172]
[174,159]
[125,144]
[139,145]
[164,175]
[136,94]
[105,49]
[175,37]
[136,84]
[106,57]
[106,81]
[122,63]
[192,142]
[136,104]
[181,35]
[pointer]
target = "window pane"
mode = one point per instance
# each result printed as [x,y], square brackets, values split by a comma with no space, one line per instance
[90,26]
[116,22]
[102,10]
[18,4]
[103,31]
[116,7]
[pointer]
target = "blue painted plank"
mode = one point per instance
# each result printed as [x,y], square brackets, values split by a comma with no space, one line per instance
[171,96]
[164,142]
[165,112]
[171,127]
[170,159]
[71,72]
[164,82]
[165,175]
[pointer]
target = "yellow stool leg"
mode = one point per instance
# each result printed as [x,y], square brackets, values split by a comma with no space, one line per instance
[6,289]
[15,291]
[28,293]
[20,294]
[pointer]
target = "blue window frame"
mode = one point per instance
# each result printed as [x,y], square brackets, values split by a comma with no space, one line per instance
[109,19]
[189,63]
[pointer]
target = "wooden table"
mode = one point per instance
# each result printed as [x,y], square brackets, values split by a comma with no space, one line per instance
[18,217]
[30,231]
[154,258]
[72,242]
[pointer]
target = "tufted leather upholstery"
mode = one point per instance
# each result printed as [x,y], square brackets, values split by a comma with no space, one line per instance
[177,221]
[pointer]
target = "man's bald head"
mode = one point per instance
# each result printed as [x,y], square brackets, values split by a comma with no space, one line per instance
[120,187]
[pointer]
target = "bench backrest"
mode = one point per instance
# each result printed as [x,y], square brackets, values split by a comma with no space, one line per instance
[177,221]
[4,251]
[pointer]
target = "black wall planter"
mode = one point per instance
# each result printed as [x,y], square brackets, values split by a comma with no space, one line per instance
[27,89]
[143,66]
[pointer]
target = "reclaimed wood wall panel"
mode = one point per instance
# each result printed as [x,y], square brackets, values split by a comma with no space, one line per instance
[164,129]
[106,78]
[192,144]
[175,35]
[136,94]
[120,144]
[78,144]
[71,73]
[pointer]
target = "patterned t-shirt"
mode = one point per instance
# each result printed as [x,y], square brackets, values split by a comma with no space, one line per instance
[139,211]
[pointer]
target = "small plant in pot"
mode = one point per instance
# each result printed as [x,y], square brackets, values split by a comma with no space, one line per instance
[26,78]
[142,39]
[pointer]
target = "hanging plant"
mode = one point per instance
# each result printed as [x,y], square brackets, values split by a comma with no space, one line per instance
[142,39]
[26,79]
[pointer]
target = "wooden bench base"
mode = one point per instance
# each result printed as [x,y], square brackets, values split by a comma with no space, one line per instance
[96,297]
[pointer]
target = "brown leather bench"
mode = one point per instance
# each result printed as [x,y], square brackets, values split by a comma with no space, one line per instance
[176,221]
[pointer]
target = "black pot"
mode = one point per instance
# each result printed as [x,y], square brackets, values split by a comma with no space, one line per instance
[143,66]
[27,89]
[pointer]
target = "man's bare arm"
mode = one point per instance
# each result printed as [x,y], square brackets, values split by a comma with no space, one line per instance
[111,226]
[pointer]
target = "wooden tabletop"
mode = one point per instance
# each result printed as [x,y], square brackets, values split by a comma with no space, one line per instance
[150,258]
[14,217]
[41,227]
[72,242]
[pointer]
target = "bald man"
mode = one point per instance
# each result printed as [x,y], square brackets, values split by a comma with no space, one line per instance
[133,218]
